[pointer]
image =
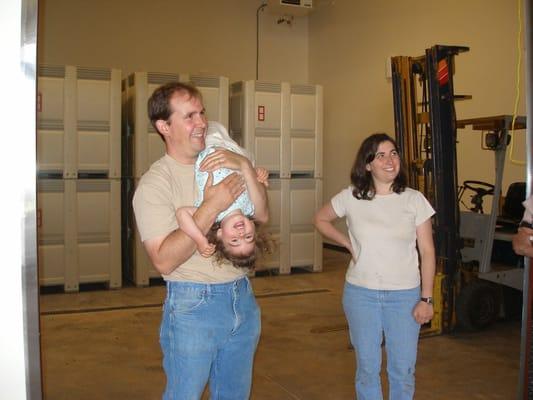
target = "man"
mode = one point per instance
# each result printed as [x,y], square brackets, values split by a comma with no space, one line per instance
[211,321]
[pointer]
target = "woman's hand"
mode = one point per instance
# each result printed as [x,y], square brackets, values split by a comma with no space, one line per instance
[351,250]
[423,312]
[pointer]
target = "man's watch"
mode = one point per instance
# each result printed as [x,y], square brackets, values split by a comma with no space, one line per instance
[428,300]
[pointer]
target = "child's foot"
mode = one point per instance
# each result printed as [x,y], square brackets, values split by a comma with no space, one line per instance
[262,175]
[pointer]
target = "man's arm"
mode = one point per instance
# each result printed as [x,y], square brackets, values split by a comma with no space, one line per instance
[257,191]
[168,252]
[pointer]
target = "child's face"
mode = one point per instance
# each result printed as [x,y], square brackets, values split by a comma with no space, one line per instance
[237,233]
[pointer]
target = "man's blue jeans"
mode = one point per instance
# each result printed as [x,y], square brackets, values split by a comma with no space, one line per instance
[372,314]
[209,333]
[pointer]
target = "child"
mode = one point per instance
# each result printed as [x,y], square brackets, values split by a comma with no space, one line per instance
[233,236]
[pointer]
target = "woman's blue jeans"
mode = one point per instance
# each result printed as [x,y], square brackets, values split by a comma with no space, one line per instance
[209,333]
[372,314]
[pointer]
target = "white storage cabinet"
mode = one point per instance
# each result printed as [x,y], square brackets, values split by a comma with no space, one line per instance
[78,122]
[281,124]
[78,226]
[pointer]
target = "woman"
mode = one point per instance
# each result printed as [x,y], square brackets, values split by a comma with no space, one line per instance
[384,295]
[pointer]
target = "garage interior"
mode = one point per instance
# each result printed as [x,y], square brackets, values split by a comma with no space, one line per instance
[99,339]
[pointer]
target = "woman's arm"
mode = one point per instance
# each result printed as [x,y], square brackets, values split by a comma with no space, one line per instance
[423,312]
[323,223]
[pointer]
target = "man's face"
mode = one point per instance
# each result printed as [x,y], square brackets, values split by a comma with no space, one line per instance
[184,132]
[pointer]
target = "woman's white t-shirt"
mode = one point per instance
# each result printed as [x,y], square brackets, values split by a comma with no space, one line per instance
[383,235]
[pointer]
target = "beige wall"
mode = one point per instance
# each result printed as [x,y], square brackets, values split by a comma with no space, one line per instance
[349,42]
[343,45]
[216,37]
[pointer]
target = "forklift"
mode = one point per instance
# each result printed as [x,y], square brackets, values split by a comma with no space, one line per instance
[492,274]
[470,291]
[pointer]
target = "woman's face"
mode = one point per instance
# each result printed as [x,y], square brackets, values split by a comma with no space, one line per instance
[386,164]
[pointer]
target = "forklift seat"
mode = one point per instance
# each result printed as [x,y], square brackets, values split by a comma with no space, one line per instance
[512,210]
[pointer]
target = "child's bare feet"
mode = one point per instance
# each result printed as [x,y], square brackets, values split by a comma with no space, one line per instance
[262,175]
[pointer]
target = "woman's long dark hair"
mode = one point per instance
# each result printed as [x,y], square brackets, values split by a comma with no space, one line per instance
[361,178]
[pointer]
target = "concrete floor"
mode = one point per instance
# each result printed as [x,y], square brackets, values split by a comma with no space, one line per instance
[104,345]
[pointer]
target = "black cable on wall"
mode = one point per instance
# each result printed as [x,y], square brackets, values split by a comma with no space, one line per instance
[261,7]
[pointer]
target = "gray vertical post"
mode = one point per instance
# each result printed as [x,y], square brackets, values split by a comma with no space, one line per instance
[525,346]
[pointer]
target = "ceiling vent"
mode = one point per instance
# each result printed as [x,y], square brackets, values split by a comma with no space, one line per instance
[290,7]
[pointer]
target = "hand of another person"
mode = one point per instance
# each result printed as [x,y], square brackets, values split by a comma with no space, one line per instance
[423,312]
[207,250]
[224,158]
[262,175]
[522,243]
[220,196]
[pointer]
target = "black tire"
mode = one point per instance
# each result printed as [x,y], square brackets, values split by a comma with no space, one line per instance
[477,305]
[512,303]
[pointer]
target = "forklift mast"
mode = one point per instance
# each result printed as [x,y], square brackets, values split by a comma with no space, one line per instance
[426,133]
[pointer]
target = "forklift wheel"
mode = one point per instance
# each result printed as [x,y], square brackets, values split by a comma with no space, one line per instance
[477,306]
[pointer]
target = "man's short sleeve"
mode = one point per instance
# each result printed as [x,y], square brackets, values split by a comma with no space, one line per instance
[154,211]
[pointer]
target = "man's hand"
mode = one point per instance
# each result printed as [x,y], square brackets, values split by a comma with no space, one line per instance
[220,196]
[224,158]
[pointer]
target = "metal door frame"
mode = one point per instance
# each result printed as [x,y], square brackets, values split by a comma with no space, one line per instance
[525,345]
[20,368]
